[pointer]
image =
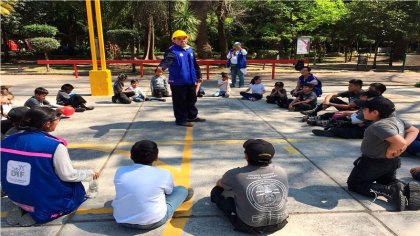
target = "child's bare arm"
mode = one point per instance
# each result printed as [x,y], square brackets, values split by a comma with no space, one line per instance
[397,145]
[411,135]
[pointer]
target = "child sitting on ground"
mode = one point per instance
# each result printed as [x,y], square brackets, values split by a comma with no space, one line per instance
[224,87]
[121,94]
[15,116]
[38,100]
[146,196]
[278,94]
[254,197]
[139,96]
[257,89]
[305,100]
[374,173]
[159,85]
[65,97]
[6,101]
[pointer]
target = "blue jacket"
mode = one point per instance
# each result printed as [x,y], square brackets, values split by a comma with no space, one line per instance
[28,177]
[241,60]
[311,77]
[183,67]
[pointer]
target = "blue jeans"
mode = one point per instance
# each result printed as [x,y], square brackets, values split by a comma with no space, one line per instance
[173,201]
[139,98]
[235,71]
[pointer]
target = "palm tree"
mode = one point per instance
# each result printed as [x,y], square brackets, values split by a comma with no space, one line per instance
[184,19]
[201,10]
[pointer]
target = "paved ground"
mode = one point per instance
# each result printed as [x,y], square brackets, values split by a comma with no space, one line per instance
[319,202]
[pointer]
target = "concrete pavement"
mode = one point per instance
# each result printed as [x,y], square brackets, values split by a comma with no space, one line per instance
[319,202]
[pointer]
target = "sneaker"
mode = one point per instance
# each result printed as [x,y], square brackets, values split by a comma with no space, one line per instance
[253,99]
[80,109]
[186,124]
[113,99]
[89,108]
[412,193]
[163,100]
[14,215]
[324,133]
[197,119]
[398,198]
[190,194]
[305,118]
[26,220]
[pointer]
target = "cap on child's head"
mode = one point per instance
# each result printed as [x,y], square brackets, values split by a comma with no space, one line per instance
[259,151]
[224,74]
[122,76]
[16,114]
[383,105]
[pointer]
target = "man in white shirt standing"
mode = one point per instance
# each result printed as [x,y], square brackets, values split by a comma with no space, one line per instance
[145,195]
[237,63]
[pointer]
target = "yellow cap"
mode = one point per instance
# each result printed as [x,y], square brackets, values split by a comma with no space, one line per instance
[179,33]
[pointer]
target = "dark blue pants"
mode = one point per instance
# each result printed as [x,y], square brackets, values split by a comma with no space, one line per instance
[251,95]
[183,100]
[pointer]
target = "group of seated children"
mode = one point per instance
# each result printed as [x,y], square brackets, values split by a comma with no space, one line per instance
[158,86]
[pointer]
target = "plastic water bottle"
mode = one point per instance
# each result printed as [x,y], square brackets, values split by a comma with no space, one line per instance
[93,188]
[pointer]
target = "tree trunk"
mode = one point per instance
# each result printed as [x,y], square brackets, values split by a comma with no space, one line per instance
[149,53]
[345,54]
[374,57]
[201,9]
[170,18]
[46,58]
[221,32]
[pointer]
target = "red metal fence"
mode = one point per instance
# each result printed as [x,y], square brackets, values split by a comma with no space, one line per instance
[207,63]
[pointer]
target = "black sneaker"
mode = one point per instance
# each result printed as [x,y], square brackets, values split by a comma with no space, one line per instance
[89,108]
[324,133]
[190,194]
[186,124]
[197,119]
[398,198]
[309,113]
[80,109]
[113,99]
[412,193]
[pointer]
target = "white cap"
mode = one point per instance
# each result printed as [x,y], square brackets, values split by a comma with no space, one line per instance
[237,43]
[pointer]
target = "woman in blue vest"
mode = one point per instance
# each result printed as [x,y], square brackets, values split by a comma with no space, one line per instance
[37,174]
[237,63]
[307,78]
[184,73]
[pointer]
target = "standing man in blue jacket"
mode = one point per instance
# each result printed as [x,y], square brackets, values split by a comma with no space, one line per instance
[237,63]
[184,73]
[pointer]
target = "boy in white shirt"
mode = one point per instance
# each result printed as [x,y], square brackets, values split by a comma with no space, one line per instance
[139,96]
[224,87]
[145,195]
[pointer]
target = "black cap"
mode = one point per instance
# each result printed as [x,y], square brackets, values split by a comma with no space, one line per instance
[16,114]
[383,105]
[259,150]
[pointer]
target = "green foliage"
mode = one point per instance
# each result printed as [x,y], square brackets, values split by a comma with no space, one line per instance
[42,44]
[122,37]
[185,19]
[267,54]
[37,30]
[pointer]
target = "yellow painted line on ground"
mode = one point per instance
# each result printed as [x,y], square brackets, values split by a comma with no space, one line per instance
[102,210]
[176,225]
[290,149]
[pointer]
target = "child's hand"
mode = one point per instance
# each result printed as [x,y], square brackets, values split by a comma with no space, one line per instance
[95,174]
[414,170]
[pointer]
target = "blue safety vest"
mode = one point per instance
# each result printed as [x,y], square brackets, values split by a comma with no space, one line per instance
[182,71]
[241,60]
[311,77]
[29,179]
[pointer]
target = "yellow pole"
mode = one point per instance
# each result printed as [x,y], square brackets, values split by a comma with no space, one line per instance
[100,34]
[91,35]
